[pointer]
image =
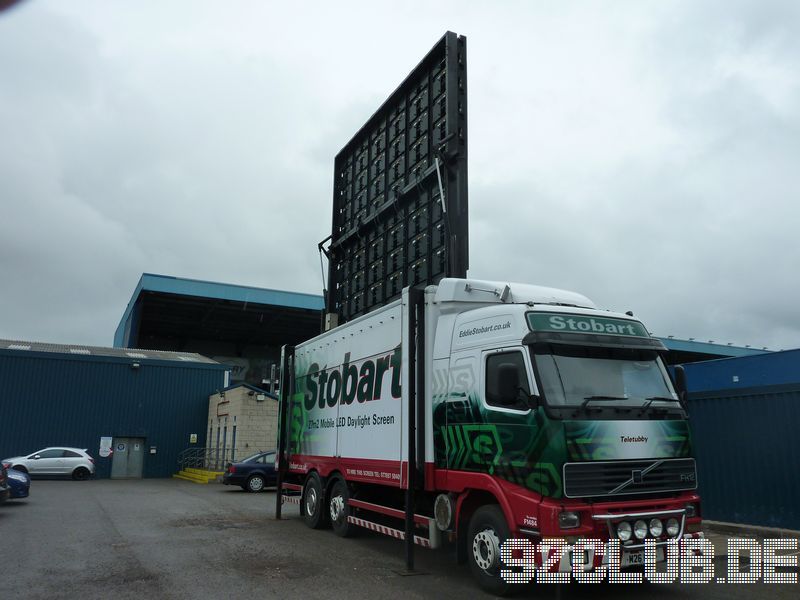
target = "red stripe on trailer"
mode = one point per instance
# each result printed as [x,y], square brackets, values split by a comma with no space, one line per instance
[386,510]
[368,470]
[293,486]
[390,531]
[384,472]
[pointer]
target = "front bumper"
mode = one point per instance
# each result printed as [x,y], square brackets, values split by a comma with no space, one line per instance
[611,519]
[598,522]
[20,493]
[593,560]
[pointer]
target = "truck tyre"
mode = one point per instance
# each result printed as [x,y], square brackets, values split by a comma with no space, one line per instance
[339,509]
[487,532]
[312,503]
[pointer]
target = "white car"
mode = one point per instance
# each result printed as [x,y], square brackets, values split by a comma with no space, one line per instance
[54,461]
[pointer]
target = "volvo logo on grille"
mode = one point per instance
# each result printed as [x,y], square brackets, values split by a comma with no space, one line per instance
[637,476]
[606,478]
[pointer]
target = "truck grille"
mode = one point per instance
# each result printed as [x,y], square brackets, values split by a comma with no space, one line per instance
[623,477]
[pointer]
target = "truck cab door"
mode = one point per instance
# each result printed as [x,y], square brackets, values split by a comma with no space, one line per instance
[510,444]
[480,435]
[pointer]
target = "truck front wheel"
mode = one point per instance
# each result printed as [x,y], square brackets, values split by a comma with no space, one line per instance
[487,532]
[312,503]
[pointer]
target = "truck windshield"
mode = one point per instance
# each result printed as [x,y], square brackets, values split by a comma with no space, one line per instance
[573,375]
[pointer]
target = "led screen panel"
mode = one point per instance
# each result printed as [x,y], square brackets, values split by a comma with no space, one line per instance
[389,227]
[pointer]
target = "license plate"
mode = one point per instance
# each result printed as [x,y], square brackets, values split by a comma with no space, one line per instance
[632,559]
[636,558]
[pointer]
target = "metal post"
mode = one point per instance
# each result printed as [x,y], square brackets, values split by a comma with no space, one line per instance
[286,389]
[420,396]
[413,306]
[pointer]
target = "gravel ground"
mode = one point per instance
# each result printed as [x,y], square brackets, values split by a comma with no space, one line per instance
[164,538]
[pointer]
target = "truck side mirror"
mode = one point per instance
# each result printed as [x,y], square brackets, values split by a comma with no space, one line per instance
[680,387]
[507,383]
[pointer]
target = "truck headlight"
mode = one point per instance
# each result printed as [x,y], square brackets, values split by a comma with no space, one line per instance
[624,531]
[640,529]
[691,511]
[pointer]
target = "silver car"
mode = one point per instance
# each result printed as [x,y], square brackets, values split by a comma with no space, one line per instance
[55,461]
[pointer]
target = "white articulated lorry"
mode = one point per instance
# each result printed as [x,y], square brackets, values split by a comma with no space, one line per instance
[472,412]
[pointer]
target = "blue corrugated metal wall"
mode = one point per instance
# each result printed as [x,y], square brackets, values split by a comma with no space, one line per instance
[53,400]
[745,419]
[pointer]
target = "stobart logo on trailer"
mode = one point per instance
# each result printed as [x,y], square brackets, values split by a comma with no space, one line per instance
[361,381]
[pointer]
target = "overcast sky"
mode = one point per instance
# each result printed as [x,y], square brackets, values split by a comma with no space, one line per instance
[642,153]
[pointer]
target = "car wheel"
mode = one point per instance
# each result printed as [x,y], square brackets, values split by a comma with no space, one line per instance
[312,503]
[20,468]
[80,474]
[339,509]
[487,532]
[255,483]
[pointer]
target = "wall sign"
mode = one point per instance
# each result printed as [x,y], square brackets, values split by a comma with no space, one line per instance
[105,446]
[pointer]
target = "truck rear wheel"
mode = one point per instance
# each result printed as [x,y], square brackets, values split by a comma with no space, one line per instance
[339,509]
[312,503]
[487,532]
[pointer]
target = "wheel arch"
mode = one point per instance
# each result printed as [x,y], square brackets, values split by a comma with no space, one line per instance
[467,503]
[330,480]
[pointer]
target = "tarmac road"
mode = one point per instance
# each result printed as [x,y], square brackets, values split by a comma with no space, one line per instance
[164,538]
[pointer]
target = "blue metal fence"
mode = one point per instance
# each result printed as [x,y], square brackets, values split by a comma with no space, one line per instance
[745,420]
[748,457]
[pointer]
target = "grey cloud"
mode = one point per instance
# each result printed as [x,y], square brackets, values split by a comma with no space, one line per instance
[636,155]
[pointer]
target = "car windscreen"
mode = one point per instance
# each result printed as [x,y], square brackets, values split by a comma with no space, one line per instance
[251,458]
[572,375]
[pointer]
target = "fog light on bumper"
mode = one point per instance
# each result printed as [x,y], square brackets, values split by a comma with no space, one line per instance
[656,527]
[624,531]
[569,519]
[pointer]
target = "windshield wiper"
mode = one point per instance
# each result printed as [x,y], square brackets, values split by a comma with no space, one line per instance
[588,399]
[651,399]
